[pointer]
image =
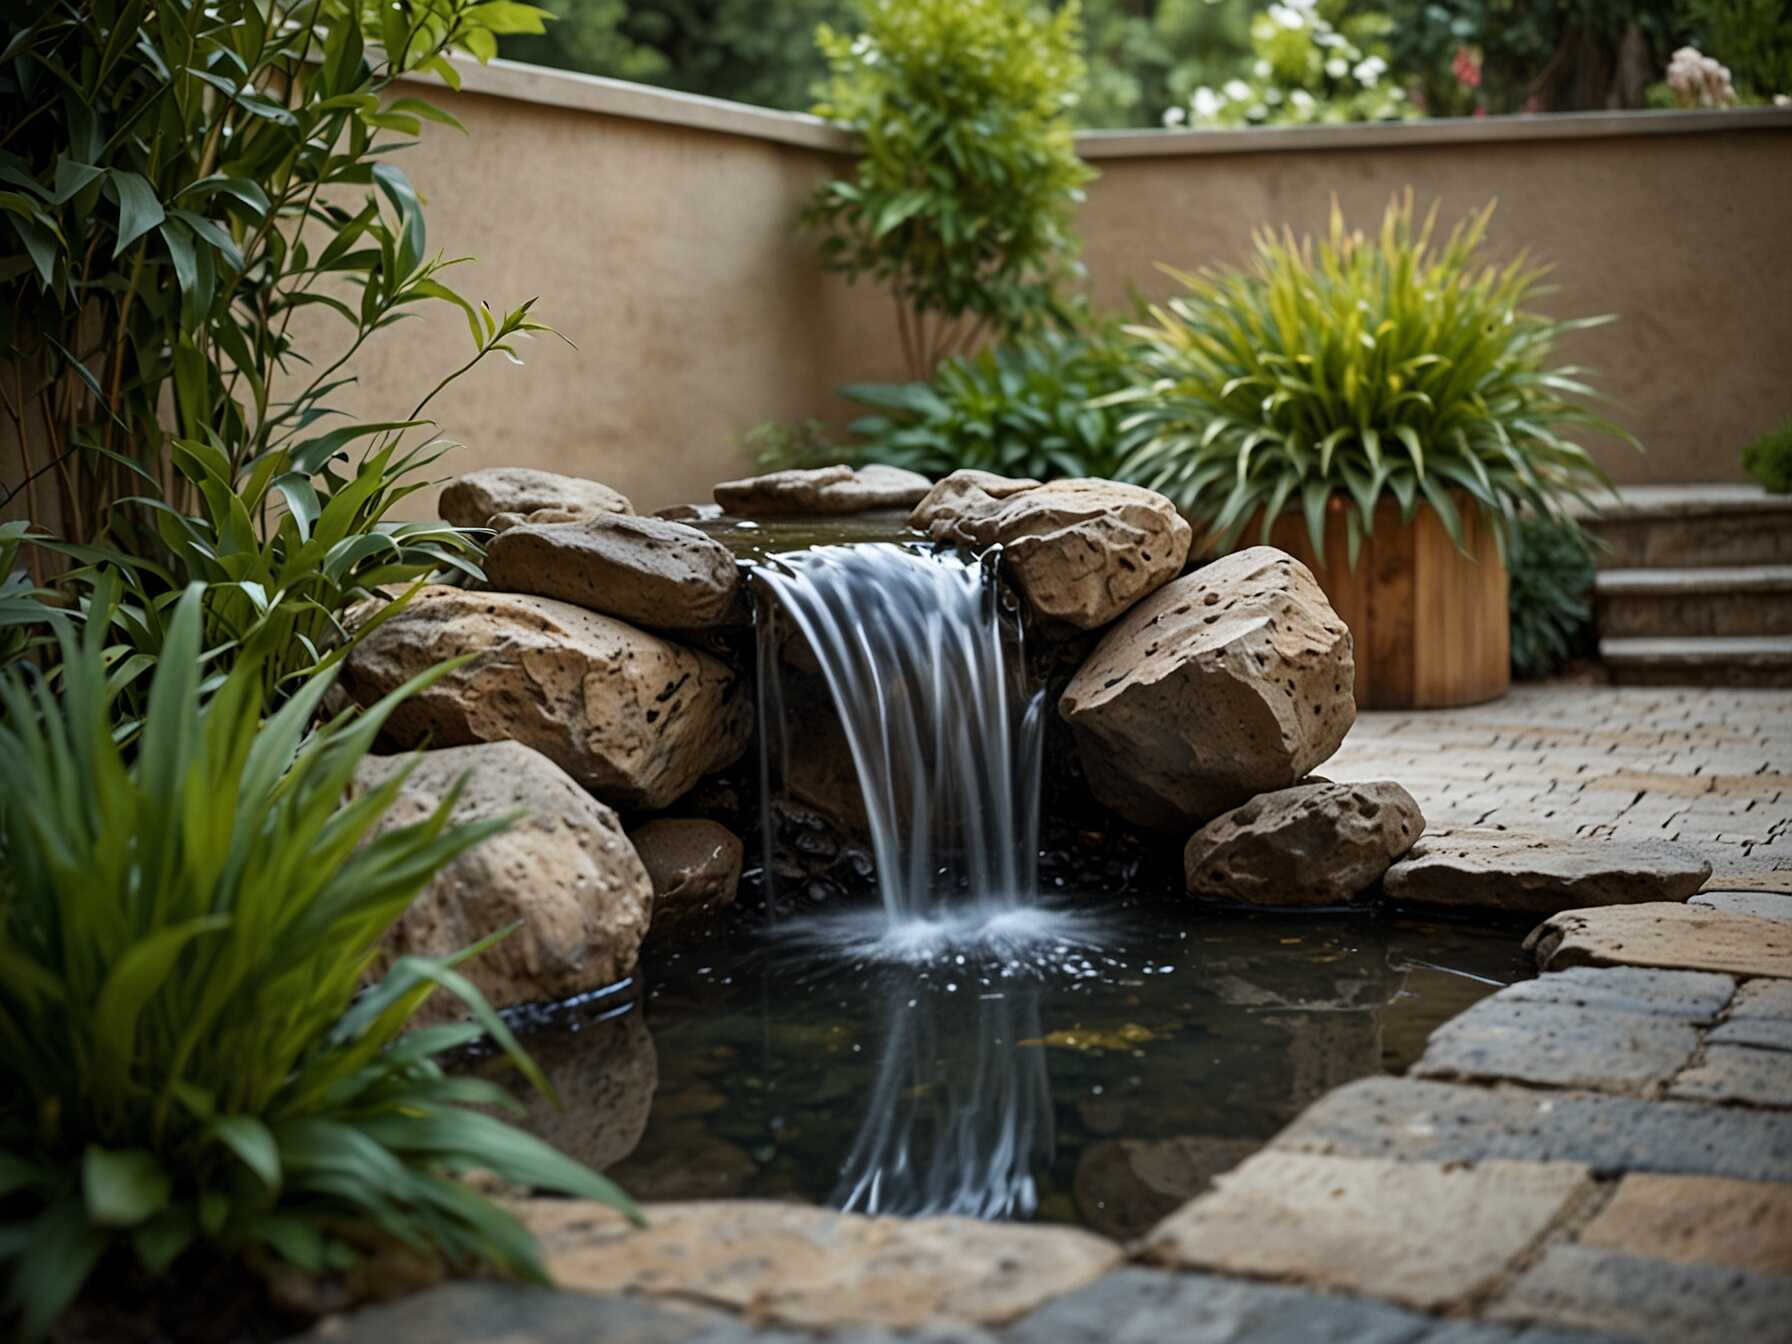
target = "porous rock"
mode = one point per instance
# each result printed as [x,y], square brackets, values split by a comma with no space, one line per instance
[1233,681]
[796,1265]
[1313,844]
[1489,868]
[966,489]
[644,570]
[694,866]
[564,869]
[634,718]
[832,490]
[471,500]
[1080,552]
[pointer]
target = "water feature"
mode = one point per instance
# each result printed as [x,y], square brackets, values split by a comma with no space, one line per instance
[922,664]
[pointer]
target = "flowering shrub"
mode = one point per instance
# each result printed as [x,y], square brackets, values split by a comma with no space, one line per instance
[1313,65]
[1698,81]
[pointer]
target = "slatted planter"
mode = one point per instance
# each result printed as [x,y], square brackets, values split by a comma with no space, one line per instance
[1431,625]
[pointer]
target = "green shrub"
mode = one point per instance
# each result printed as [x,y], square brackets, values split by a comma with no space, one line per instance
[1551,563]
[174,202]
[967,176]
[777,446]
[1752,37]
[1361,367]
[1021,409]
[1769,459]
[183,1056]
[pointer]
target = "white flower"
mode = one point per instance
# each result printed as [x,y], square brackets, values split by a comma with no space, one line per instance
[1206,103]
[1272,95]
[1301,100]
[1782,100]
[1286,17]
[1175,116]
[1256,112]
[1236,89]
[1337,67]
[1261,69]
[1370,69]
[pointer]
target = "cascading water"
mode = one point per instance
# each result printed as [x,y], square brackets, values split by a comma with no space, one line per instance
[923,666]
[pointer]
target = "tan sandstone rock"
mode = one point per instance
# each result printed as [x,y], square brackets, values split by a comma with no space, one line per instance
[1313,844]
[964,490]
[1665,934]
[643,570]
[1233,681]
[694,866]
[565,870]
[1538,873]
[833,490]
[471,500]
[1081,552]
[632,717]
[793,1264]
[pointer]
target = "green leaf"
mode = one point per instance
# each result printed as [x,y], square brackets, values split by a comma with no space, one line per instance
[251,1141]
[123,1188]
[139,210]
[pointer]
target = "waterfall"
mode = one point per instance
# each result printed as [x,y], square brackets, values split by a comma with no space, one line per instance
[922,663]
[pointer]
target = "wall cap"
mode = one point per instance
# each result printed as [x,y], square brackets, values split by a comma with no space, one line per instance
[619,98]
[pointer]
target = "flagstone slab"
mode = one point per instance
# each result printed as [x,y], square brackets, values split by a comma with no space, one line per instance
[1649,1299]
[1486,867]
[1424,1234]
[1738,1074]
[1694,996]
[1420,1121]
[1667,935]
[797,1265]
[1760,1015]
[1604,1048]
[1760,904]
[1696,1220]
[476,1312]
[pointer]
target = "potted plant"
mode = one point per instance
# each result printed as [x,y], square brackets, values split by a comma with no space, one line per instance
[1387,395]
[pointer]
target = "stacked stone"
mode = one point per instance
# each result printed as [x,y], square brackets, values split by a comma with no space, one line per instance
[576,695]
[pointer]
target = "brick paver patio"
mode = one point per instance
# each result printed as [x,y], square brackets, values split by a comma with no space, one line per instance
[1709,768]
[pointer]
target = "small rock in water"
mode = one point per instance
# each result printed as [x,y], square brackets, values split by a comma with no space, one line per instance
[695,869]
[1313,844]
[825,490]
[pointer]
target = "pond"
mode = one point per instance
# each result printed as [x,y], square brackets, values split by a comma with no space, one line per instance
[1101,1082]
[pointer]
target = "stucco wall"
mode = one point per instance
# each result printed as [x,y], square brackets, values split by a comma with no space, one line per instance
[658,231]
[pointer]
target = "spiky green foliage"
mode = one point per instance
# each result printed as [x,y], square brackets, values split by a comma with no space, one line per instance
[1551,563]
[1769,459]
[183,1056]
[1020,409]
[967,177]
[1361,367]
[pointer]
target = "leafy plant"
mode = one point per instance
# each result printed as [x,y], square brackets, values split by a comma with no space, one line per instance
[967,177]
[183,1056]
[1551,564]
[1316,61]
[1020,409]
[1361,367]
[181,181]
[1752,37]
[1769,459]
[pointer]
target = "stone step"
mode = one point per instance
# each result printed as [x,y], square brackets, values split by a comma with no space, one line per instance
[1682,525]
[1697,600]
[1702,660]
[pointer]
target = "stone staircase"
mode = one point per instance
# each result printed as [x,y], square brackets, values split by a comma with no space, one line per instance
[1696,586]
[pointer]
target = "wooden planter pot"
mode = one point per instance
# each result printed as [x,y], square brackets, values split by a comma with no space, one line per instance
[1431,626]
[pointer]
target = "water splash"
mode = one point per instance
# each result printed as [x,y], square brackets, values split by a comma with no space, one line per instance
[922,664]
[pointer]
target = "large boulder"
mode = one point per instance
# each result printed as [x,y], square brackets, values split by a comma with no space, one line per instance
[1234,681]
[565,870]
[643,570]
[1487,868]
[634,718]
[831,490]
[1080,552]
[471,500]
[1313,844]
[694,866]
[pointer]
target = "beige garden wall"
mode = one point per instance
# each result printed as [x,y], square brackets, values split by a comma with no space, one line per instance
[658,231]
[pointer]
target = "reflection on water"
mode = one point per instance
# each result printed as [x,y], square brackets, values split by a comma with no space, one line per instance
[1103,1090]
[960,1113]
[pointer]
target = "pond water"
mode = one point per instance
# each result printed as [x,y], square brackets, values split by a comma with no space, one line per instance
[1102,1080]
